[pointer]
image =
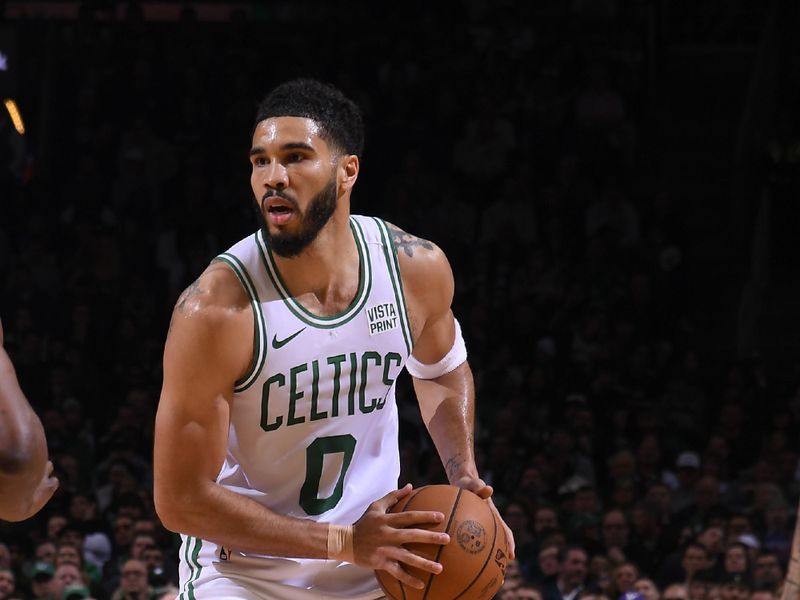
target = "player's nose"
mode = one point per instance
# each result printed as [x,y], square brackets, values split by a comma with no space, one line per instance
[276,176]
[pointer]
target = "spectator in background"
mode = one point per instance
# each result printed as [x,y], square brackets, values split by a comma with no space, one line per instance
[705,507]
[735,586]
[572,575]
[739,524]
[617,542]
[736,559]
[682,566]
[763,593]
[623,578]
[545,519]
[682,481]
[516,517]
[600,579]
[7,583]
[42,580]
[55,523]
[647,588]
[711,538]
[767,571]
[549,565]
[45,552]
[66,575]
[134,584]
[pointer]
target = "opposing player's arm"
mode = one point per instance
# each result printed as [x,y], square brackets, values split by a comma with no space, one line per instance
[447,401]
[26,481]
[207,350]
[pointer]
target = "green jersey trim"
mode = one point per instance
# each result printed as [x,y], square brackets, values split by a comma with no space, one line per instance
[302,313]
[259,325]
[194,568]
[393,264]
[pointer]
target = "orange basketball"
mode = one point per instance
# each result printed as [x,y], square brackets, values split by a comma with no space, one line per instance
[473,563]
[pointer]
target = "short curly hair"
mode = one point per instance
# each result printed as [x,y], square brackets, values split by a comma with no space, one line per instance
[338,117]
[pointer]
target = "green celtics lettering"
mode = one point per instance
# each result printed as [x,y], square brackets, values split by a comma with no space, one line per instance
[304,401]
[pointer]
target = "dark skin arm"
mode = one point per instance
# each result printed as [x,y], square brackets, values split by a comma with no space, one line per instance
[26,481]
[447,403]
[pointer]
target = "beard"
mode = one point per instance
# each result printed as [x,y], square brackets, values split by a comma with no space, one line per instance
[319,212]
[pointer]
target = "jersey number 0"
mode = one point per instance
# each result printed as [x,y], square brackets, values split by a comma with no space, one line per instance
[315,453]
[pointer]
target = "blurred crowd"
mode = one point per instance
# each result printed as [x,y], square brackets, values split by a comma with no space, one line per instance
[628,457]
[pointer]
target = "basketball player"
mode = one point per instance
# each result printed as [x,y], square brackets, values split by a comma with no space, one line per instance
[276,451]
[26,481]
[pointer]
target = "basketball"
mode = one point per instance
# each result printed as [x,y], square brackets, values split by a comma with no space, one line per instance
[473,563]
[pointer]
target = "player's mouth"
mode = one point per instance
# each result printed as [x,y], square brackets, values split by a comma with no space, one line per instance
[278,211]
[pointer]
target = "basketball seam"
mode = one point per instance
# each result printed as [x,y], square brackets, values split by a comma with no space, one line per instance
[488,557]
[405,507]
[441,548]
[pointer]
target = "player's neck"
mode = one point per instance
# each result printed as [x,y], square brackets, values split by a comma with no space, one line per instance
[328,268]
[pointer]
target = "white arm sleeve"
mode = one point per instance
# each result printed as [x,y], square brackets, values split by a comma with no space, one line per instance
[454,358]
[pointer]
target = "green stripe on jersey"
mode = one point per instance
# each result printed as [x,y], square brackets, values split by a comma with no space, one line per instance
[259,325]
[301,312]
[393,264]
[194,567]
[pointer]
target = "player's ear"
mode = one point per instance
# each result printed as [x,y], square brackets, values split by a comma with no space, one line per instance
[348,171]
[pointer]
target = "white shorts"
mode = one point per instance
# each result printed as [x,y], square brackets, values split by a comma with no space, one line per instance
[208,571]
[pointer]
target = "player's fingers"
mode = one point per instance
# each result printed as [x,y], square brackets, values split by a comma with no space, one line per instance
[509,534]
[421,536]
[415,560]
[414,517]
[511,544]
[476,485]
[395,570]
[392,498]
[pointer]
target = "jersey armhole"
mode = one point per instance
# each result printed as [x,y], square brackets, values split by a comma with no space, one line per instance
[259,325]
[393,265]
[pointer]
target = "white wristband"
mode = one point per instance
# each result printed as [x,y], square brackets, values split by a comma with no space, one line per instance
[454,358]
[340,542]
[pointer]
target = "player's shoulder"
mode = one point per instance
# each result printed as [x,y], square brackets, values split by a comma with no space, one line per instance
[415,253]
[424,267]
[216,294]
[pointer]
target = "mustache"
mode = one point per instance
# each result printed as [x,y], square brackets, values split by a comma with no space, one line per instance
[278,194]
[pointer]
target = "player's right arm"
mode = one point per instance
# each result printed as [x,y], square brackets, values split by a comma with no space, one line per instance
[26,481]
[208,348]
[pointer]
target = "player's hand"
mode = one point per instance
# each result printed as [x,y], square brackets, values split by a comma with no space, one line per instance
[475,485]
[47,487]
[479,486]
[509,534]
[379,538]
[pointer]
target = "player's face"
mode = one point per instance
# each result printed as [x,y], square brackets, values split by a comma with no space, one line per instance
[294,181]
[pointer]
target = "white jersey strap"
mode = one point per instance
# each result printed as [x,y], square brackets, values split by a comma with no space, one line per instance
[454,358]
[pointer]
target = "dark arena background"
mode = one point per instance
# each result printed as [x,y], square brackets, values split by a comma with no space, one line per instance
[615,182]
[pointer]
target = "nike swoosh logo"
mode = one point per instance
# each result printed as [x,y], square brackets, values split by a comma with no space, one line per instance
[276,343]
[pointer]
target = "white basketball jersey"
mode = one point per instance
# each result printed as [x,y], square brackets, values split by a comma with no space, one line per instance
[313,425]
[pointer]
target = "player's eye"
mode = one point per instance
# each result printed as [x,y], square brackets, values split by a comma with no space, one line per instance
[260,161]
[295,157]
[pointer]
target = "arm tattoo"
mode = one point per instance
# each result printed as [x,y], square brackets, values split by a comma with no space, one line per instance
[453,466]
[189,293]
[406,241]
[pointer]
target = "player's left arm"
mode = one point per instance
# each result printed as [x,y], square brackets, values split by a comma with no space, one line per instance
[446,400]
